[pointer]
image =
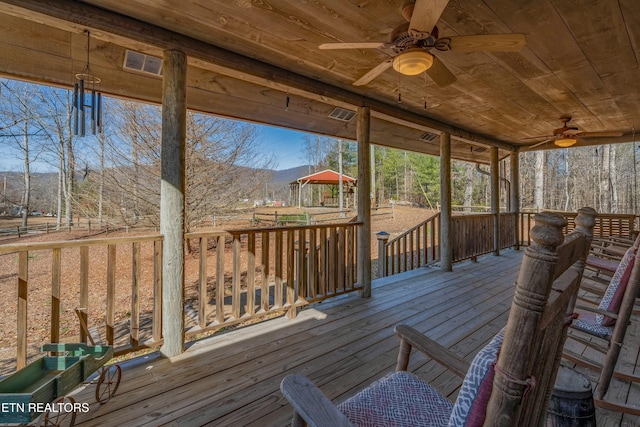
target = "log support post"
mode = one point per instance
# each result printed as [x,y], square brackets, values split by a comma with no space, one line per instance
[495,199]
[514,159]
[364,200]
[446,255]
[172,200]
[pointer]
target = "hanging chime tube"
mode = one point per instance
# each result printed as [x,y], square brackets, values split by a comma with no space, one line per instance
[81,102]
[93,111]
[99,112]
[75,108]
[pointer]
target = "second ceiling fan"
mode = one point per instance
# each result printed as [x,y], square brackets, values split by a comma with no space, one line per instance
[411,44]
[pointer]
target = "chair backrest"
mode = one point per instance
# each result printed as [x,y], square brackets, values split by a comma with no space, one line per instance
[546,290]
[620,329]
[612,298]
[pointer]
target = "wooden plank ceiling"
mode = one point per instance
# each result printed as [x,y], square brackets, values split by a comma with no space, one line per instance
[259,60]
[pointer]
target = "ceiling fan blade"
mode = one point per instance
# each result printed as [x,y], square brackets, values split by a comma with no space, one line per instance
[425,16]
[365,45]
[537,137]
[440,74]
[488,42]
[374,72]
[598,134]
[539,143]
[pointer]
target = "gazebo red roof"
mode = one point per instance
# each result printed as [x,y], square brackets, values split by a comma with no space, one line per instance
[326,176]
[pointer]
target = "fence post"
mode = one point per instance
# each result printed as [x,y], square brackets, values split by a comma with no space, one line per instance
[383,237]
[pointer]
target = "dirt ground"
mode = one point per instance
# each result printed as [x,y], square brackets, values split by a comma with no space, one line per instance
[39,293]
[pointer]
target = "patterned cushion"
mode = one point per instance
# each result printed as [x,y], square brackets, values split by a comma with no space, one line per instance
[400,399]
[612,298]
[470,408]
[588,324]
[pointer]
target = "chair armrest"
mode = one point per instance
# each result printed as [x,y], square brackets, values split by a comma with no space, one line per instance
[431,348]
[310,404]
[597,311]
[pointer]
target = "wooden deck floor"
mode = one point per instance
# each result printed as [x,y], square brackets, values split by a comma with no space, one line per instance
[341,344]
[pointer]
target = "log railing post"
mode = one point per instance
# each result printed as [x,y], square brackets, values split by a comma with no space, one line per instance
[172,199]
[446,255]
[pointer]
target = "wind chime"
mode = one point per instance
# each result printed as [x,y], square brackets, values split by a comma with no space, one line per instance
[86,97]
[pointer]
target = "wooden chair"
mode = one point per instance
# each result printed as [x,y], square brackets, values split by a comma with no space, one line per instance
[511,379]
[606,253]
[606,327]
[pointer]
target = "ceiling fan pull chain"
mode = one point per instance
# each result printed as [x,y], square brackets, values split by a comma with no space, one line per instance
[425,91]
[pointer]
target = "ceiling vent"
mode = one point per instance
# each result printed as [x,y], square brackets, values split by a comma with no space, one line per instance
[342,114]
[141,63]
[428,136]
[479,149]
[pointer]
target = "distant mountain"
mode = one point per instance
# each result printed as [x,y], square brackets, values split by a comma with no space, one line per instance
[289,175]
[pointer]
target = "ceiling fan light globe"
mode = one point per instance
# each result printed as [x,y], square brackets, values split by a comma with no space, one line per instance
[412,62]
[565,142]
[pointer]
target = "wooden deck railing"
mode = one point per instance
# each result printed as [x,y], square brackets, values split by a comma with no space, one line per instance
[471,236]
[85,275]
[417,247]
[268,270]
[117,284]
[624,225]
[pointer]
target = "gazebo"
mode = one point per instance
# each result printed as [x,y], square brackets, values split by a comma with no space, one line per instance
[325,177]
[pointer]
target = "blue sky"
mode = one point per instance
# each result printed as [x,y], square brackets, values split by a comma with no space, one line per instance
[287,146]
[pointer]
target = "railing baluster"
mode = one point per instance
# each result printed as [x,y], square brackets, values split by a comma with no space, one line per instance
[56,277]
[23,292]
[312,283]
[84,290]
[220,284]
[134,321]
[332,271]
[251,273]
[264,287]
[111,293]
[322,270]
[291,272]
[235,277]
[202,282]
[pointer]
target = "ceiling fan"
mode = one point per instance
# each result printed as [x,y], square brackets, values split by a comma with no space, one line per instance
[411,44]
[568,135]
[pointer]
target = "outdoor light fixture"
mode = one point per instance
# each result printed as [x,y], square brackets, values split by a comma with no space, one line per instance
[85,96]
[565,141]
[413,61]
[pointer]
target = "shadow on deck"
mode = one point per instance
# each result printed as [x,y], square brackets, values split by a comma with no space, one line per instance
[342,344]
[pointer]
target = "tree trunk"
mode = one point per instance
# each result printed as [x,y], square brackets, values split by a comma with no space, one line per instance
[468,187]
[538,189]
[27,176]
[613,179]
[605,189]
